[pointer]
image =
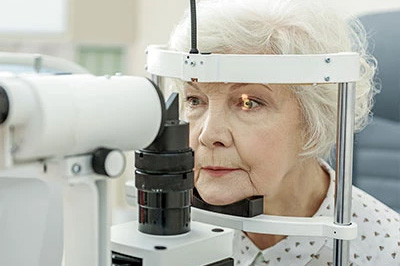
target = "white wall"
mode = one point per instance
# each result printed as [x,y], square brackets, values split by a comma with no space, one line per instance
[155,20]
[135,23]
[102,21]
[33,17]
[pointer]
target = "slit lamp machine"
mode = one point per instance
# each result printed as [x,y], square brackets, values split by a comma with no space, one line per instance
[62,139]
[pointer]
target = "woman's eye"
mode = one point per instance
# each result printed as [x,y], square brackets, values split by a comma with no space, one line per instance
[193,101]
[248,104]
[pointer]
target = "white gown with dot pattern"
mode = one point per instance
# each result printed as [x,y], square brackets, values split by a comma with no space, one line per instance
[378,241]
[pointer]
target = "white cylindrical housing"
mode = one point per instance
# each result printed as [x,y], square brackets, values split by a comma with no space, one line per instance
[76,114]
[21,98]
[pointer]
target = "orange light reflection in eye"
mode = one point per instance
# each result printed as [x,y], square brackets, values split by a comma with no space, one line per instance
[246,102]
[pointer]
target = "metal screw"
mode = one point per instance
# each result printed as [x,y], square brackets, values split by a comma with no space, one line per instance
[201,62]
[327,60]
[186,62]
[327,78]
[193,64]
[76,168]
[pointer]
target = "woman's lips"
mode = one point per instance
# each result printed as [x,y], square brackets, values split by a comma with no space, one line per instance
[217,171]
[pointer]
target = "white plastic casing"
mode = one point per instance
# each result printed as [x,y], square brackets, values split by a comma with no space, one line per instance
[254,68]
[200,246]
[75,114]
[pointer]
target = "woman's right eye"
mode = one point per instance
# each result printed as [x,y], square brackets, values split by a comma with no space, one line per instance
[193,101]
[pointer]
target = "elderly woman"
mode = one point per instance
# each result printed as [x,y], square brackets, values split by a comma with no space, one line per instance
[274,140]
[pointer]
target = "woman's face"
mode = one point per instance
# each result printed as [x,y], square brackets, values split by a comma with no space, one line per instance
[246,138]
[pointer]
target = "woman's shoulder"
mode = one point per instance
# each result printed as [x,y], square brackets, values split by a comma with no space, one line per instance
[378,241]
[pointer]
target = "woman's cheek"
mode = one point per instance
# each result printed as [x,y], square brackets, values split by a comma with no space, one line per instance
[193,136]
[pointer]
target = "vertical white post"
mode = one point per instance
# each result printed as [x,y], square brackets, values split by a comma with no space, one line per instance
[5,147]
[87,228]
[104,218]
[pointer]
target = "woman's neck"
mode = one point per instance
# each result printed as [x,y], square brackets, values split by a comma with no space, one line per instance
[301,193]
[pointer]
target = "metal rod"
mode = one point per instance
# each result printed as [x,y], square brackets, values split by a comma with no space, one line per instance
[344,167]
[104,216]
[193,20]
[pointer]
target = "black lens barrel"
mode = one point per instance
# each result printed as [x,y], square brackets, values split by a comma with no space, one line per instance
[164,178]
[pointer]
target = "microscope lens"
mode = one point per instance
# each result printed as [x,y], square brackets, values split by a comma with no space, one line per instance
[164,178]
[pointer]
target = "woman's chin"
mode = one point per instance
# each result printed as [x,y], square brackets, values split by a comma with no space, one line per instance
[218,198]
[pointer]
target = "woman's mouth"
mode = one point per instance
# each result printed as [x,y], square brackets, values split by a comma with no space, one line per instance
[217,171]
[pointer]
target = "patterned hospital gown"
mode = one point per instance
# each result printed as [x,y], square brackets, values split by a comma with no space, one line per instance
[377,244]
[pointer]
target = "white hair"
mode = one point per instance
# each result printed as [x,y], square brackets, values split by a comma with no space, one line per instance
[288,27]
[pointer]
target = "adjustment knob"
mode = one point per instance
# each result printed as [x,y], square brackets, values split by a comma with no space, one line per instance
[108,162]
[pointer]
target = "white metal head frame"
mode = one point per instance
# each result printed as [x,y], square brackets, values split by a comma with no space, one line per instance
[341,68]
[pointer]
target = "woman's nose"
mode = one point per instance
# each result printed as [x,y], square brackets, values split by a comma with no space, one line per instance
[215,130]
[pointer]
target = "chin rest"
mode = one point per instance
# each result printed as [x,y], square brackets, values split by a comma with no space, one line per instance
[248,207]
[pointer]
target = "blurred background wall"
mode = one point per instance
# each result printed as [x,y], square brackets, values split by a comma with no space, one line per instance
[109,36]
